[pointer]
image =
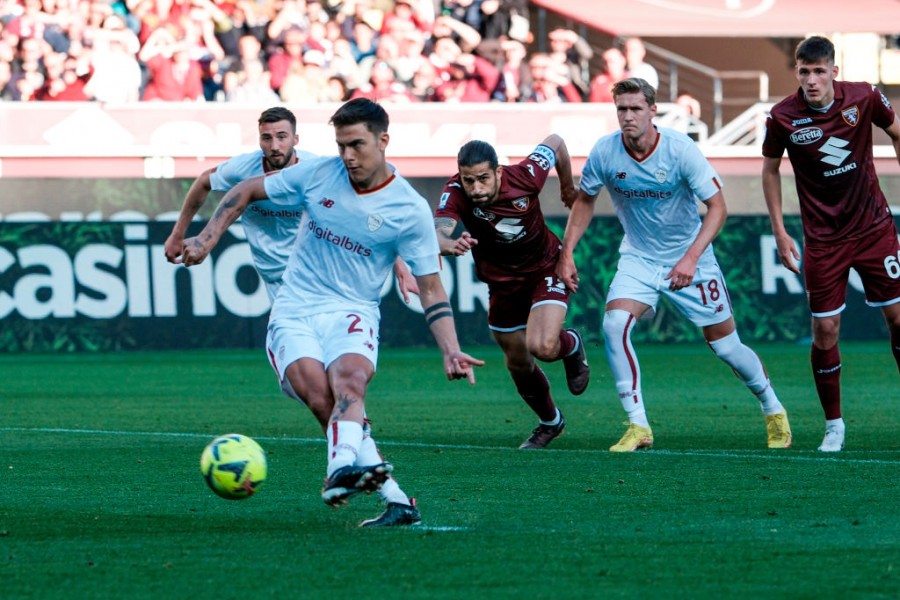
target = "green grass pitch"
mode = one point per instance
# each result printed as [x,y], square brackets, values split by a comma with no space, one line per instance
[101,494]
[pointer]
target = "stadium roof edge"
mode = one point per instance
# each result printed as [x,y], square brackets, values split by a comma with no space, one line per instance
[715,18]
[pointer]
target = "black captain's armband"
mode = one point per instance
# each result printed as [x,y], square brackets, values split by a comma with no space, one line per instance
[438,311]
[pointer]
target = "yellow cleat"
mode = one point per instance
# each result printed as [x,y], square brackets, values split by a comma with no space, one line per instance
[635,438]
[779,430]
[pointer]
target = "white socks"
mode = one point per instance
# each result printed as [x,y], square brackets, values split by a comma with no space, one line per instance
[344,440]
[617,326]
[749,369]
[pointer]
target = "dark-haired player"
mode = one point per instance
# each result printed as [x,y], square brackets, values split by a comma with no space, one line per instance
[360,215]
[826,129]
[515,254]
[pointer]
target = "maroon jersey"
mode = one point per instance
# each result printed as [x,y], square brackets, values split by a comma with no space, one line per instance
[831,153]
[513,239]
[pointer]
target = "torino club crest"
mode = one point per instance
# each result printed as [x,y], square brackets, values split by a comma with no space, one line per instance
[851,115]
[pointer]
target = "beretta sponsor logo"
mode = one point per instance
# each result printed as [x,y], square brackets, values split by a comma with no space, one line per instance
[807,135]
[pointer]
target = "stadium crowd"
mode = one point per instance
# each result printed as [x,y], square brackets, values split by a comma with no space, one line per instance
[292,51]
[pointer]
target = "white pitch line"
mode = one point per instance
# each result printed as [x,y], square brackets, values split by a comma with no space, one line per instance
[788,455]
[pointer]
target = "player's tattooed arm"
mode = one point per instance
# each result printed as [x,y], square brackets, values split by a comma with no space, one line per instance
[230,208]
[445,226]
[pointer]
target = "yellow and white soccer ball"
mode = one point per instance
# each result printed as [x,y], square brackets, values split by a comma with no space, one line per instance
[233,466]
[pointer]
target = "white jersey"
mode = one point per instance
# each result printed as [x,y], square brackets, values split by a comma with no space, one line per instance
[271,230]
[348,241]
[655,198]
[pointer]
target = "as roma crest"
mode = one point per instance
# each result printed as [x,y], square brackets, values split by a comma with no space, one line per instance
[374,222]
[851,115]
[520,204]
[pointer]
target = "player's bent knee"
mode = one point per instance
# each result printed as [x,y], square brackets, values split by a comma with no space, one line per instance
[615,324]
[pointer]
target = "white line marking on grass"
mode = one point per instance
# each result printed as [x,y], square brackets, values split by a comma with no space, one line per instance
[438,528]
[789,455]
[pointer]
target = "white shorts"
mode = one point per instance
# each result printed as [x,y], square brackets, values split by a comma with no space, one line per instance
[704,302]
[323,337]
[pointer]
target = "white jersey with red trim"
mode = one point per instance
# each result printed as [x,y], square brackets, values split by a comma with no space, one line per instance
[271,230]
[348,240]
[655,197]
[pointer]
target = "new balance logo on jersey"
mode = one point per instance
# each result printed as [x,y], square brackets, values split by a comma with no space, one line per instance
[326,202]
[834,152]
[621,175]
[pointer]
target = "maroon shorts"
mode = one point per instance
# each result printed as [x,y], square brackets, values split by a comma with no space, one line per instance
[511,303]
[827,269]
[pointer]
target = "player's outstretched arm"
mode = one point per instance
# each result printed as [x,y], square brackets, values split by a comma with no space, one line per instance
[567,189]
[230,208]
[444,227]
[771,185]
[193,201]
[439,316]
[579,219]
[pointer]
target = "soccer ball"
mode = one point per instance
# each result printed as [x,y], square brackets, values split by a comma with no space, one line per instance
[233,466]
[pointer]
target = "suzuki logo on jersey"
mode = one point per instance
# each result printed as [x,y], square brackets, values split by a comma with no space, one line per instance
[520,204]
[487,216]
[509,230]
[851,115]
[833,151]
[807,135]
[326,202]
[798,122]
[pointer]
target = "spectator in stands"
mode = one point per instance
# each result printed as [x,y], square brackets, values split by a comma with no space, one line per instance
[467,38]
[613,72]
[253,86]
[549,81]
[291,15]
[364,42]
[309,84]
[289,55]
[6,86]
[515,77]
[572,51]
[28,70]
[425,82]
[173,75]
[116,73]
[336,90]
[199,34]
[635,52]
[464,11]
[443,54]
[383,86]
[343,64]
[472,79]
[403,51]
[358,11]
[403,17]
